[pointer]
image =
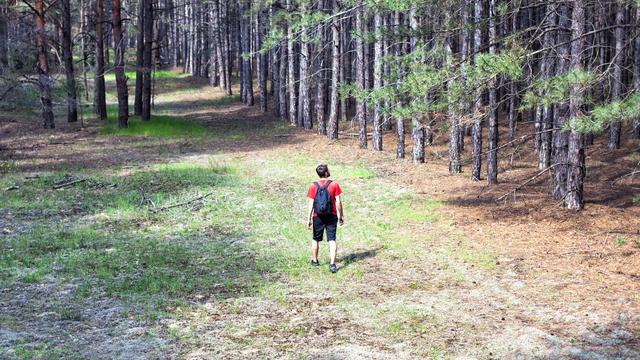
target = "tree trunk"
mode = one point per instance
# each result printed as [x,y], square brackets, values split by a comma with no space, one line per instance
[476,130]
[618,63]
[545,113]
[335,72]
[85,55]
[44,82]
[262,59]
[305,106]
[4,37]
[321,82]
[100,103]
[291,84]
[245,40]
[121,80]
[400,133]
[377,81]
[574,199]
[282,89]
[492,155]
[454,122]
[360,109]
[561,138]
[137,106]
[147,60]
[636,74]
[67,56]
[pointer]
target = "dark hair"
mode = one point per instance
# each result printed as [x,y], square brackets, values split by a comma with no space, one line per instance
[323,170]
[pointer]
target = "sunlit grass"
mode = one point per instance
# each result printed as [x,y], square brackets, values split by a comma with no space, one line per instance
[158,74]
[162,126]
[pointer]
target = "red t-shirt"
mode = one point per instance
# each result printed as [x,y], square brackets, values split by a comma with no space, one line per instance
[334,190]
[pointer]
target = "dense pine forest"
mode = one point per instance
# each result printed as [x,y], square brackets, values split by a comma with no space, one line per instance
[558,74]
[154,156]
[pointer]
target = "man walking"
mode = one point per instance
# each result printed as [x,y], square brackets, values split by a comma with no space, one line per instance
[324,210]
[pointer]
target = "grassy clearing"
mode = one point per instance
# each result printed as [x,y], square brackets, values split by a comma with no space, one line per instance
[246,242]
[159,126]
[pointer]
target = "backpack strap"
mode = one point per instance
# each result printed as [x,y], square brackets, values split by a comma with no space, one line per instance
[326,184]
[317,184]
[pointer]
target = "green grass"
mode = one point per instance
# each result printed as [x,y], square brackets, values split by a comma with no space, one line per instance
[161,126]
[158,74]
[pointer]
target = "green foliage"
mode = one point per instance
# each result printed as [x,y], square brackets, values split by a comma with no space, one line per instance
[555,90]
[618,110]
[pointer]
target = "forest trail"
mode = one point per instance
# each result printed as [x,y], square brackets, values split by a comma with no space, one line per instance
[99,268]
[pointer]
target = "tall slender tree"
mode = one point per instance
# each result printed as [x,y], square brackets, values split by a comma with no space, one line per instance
[377,82]
[137,106]
[360,81]
[67,56]
[617,80]
[476,130]
[574,199]
[305,102]
[44,81]
[100,101]
[147,59]
[121,79]
[332,130]
[492,154]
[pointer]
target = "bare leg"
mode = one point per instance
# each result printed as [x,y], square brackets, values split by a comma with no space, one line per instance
[314,250]
[333,249]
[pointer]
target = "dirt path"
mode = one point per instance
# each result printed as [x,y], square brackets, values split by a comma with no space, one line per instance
[419,277]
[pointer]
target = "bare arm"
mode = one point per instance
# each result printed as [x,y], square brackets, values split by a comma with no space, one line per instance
[309,212]
[339,210]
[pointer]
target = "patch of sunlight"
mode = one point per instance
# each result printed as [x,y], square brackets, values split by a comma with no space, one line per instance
[158,74]
[159,126]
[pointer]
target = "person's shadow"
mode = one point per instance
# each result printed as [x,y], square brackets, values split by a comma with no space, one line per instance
[348,259]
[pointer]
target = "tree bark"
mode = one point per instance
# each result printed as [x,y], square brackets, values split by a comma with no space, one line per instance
[335,72]
[360,108]
[321,82]
[492,154]
[282,89]
[635,134]
[137,106]
[44,81]
[618,63]
[377,82]
[147,60]
[399,51]
[121,80]
[100,102]
[262,60]
[545,113]
[67,56]
[454,122]
[4,37]
[246,50]
[291,83]
[561,138]
[476,130]
[305,106]
[574,200]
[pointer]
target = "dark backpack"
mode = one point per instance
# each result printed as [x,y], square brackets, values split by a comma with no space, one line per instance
[322,201]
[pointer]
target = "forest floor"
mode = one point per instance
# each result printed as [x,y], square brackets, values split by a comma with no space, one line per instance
[185,238]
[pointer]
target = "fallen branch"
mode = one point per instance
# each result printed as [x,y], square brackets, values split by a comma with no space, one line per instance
[68,183]
[201,197]
[527,182]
